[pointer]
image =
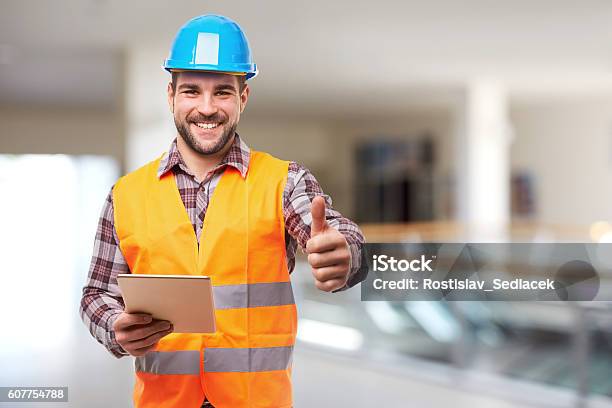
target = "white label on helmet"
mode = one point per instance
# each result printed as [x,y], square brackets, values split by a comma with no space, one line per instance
[207,49]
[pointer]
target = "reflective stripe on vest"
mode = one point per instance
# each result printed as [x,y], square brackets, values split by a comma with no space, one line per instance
[173,362]
[216,360]
[247,360]
[253,295]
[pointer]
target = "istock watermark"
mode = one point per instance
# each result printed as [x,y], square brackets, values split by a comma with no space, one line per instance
[383,263]
[488,271]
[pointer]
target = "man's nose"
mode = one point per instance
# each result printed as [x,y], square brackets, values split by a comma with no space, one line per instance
[206,105]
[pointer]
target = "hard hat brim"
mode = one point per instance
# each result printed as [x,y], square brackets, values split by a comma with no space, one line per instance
[248,70]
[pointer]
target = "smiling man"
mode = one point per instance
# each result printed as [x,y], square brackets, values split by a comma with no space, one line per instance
[212,206]
[206,126]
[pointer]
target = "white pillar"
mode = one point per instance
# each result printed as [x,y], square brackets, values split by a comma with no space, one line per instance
[150,127]
[483,162]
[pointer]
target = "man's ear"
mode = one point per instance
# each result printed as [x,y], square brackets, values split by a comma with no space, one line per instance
[244,97]
[170,97]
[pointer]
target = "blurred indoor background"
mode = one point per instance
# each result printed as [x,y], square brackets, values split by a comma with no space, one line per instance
[425,121]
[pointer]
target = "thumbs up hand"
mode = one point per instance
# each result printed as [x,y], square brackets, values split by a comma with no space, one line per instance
[328,252]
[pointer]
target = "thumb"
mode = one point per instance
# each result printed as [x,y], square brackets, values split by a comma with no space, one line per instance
[317,210]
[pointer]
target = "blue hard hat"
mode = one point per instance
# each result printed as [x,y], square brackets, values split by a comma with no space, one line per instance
[211,43]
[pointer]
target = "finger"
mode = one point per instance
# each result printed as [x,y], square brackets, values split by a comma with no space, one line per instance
[149,341]
[143,332]
[330,285]
[130,319]
[327,241]
[339,256]
[329,273]
[317,210]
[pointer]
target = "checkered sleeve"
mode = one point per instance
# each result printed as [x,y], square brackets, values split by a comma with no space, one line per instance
[101,302]
[301,188]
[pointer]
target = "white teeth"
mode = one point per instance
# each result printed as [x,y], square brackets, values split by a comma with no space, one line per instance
[207,125]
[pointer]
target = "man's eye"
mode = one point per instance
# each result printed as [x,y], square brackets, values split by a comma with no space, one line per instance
[223,93]
[190,91]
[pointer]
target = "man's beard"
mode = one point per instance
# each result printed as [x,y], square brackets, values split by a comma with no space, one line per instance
[192,141]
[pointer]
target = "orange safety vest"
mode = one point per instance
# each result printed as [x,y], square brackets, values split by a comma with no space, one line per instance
[247,362]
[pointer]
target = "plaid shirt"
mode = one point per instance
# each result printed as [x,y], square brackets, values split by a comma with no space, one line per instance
[102,302]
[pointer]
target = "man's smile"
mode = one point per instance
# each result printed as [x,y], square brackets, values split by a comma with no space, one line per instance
[207,130]
[206,125]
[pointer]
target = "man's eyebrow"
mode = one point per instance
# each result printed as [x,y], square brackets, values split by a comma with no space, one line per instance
[188,85]
[224,87]
[221,87]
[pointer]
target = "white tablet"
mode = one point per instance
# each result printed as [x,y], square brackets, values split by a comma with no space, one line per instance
[184,300]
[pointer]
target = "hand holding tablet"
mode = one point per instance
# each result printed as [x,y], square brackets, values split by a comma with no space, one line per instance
[139,333]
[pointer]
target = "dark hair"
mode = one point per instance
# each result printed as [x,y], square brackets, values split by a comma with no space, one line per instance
[241,81]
